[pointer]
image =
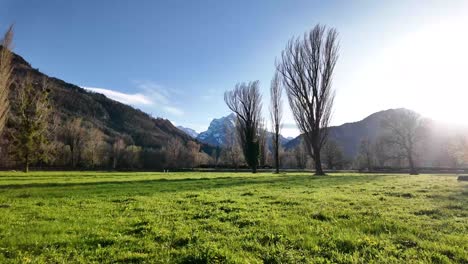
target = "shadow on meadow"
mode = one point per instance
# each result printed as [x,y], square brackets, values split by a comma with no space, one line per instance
[198,184]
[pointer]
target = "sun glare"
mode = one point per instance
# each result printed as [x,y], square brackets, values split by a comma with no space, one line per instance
[436,73]
[424,71]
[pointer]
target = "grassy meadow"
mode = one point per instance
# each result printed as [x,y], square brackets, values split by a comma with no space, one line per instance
[97,217]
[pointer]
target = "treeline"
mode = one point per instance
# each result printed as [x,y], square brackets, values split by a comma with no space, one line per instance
[77,144]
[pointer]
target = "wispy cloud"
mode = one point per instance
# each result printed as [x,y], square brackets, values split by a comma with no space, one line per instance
[131,99]
[151,95]
[157,92]
[161,97]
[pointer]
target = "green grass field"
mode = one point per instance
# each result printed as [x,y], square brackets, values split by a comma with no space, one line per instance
[89,217]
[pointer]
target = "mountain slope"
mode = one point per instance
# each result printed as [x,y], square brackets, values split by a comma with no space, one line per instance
[348,136]
[192,133]
[111,117]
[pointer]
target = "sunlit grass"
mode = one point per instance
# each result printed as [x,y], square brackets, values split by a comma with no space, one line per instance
[63,217]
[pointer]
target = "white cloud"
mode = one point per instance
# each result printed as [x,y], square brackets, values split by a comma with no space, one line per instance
[152,96]
[131,99]
[158,93]
[162,97]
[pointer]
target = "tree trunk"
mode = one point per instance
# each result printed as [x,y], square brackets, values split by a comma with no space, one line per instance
[92,159]
[72,154]
[413,170]
[78,157]
[318,162]
[277,150]
[26,164]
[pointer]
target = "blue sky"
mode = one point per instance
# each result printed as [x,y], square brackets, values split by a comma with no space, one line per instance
[175,59]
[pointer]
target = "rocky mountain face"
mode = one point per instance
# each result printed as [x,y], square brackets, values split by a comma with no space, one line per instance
[192,133]
[221,129]
[111,117]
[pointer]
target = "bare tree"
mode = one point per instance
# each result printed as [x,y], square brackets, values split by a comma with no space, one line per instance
[381,152]
[215,155]
[405,130]
[118,150]
[263,144]
[276,115]
[74,136]
[366,155]
[30,136]
[174,150]
[300,155]
[306,68]
[193,149]
[232,153]
[6,70]
[132,156]
[333,155]
[246,102]
[282,155]
[94,146]
[456,151]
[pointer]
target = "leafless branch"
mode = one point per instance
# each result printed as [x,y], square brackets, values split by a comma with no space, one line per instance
[276,115]
[6,70]
[246,102]
[306,68]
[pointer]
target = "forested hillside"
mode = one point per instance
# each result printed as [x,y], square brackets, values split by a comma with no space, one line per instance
[115,120]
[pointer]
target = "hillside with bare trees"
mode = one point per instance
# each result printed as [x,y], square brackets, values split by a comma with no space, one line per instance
[92,112]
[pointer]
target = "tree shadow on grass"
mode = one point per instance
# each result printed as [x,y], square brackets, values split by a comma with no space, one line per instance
[200,184]
[32,176]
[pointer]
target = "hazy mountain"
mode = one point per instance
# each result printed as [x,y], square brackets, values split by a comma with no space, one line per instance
[220,128]
[349,135]
[192,133]
[111,117]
